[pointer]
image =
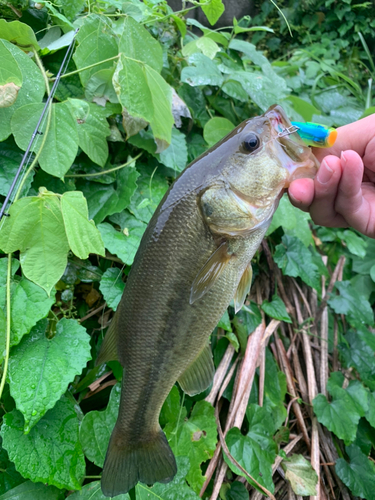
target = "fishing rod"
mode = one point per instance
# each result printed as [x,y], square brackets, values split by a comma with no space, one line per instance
[37,132]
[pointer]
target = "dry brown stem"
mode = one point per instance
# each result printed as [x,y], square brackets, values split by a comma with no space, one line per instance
[220,373]
[285,366]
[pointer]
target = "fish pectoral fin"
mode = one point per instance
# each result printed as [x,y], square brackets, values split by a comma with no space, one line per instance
[243,288]
[108,349]
[200,373]
[210,272]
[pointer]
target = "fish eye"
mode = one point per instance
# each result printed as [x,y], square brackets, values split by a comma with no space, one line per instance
[251,143]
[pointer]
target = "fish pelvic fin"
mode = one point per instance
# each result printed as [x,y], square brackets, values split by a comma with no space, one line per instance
[199,375]
[108,349]
[243,288]
[149,460]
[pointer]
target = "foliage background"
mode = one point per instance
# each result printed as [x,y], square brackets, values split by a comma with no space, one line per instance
[114,139]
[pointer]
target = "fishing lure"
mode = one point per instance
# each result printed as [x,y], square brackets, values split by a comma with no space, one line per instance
[316,135]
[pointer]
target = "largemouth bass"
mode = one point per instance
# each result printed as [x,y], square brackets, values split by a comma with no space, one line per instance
[193,259]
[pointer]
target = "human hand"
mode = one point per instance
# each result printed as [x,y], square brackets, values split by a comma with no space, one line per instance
[343,191]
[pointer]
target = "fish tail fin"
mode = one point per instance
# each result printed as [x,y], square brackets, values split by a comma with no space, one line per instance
[149,460]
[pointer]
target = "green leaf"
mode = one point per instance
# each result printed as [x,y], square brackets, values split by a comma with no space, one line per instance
[145,94]
[256,459]
[100,86]
[301,475]
[33,491]
[180,25]
[58,18]
[215,129]
[213,11]
[40,369]
[61,145]
[51,452]
[71,7]
[175,156]
[261,427]
[363,265]
[104,200]
[274,391]
[171,408]
[233,340]
[342,415]
[32,90]
[208,47]
[304,108]
[9,478]
[112,287]
[10,160]
[150,191]
[204,44]
[194,438]
[201,71]
[26,297]
[249,50]
[365,437]
[237,491]
[124,244]
[234,89]
[96,42]
[276,309]
[20,34]
[170,491]
[245,322]
[359,474]
[83,237]
[355,306]
[92,128]
[293,221]
[370,413]
[294,259]
[224,322]
[10,71]
[263,88]
[36,228]
[92,491]
[53,40]
[96,428]
[239,29]
[137,43]
[360,352]
[356,245]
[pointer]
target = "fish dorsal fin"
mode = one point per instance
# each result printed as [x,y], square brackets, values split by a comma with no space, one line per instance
[108,349]
[210,272]
[200,373]
[243,288]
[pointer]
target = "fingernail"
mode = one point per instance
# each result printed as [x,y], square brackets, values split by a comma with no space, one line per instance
[343,159]
[324,173]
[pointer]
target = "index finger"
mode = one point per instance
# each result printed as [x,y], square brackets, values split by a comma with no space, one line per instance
[357,136]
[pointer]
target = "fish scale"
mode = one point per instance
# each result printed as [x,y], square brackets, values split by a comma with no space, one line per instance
[193,259]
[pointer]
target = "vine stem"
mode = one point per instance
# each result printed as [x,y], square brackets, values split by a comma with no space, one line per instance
[19,190]
[48,125]
[7,338]
[97,174]
[86,67]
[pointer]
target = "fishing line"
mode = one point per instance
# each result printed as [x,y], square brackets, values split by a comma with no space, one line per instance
[28,155]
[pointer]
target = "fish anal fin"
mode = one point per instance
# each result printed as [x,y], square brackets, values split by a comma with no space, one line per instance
[108,349]
[198,376]
[243,288]
[210,272]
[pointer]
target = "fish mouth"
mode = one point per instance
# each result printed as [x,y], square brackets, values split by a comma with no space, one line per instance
[293,153]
